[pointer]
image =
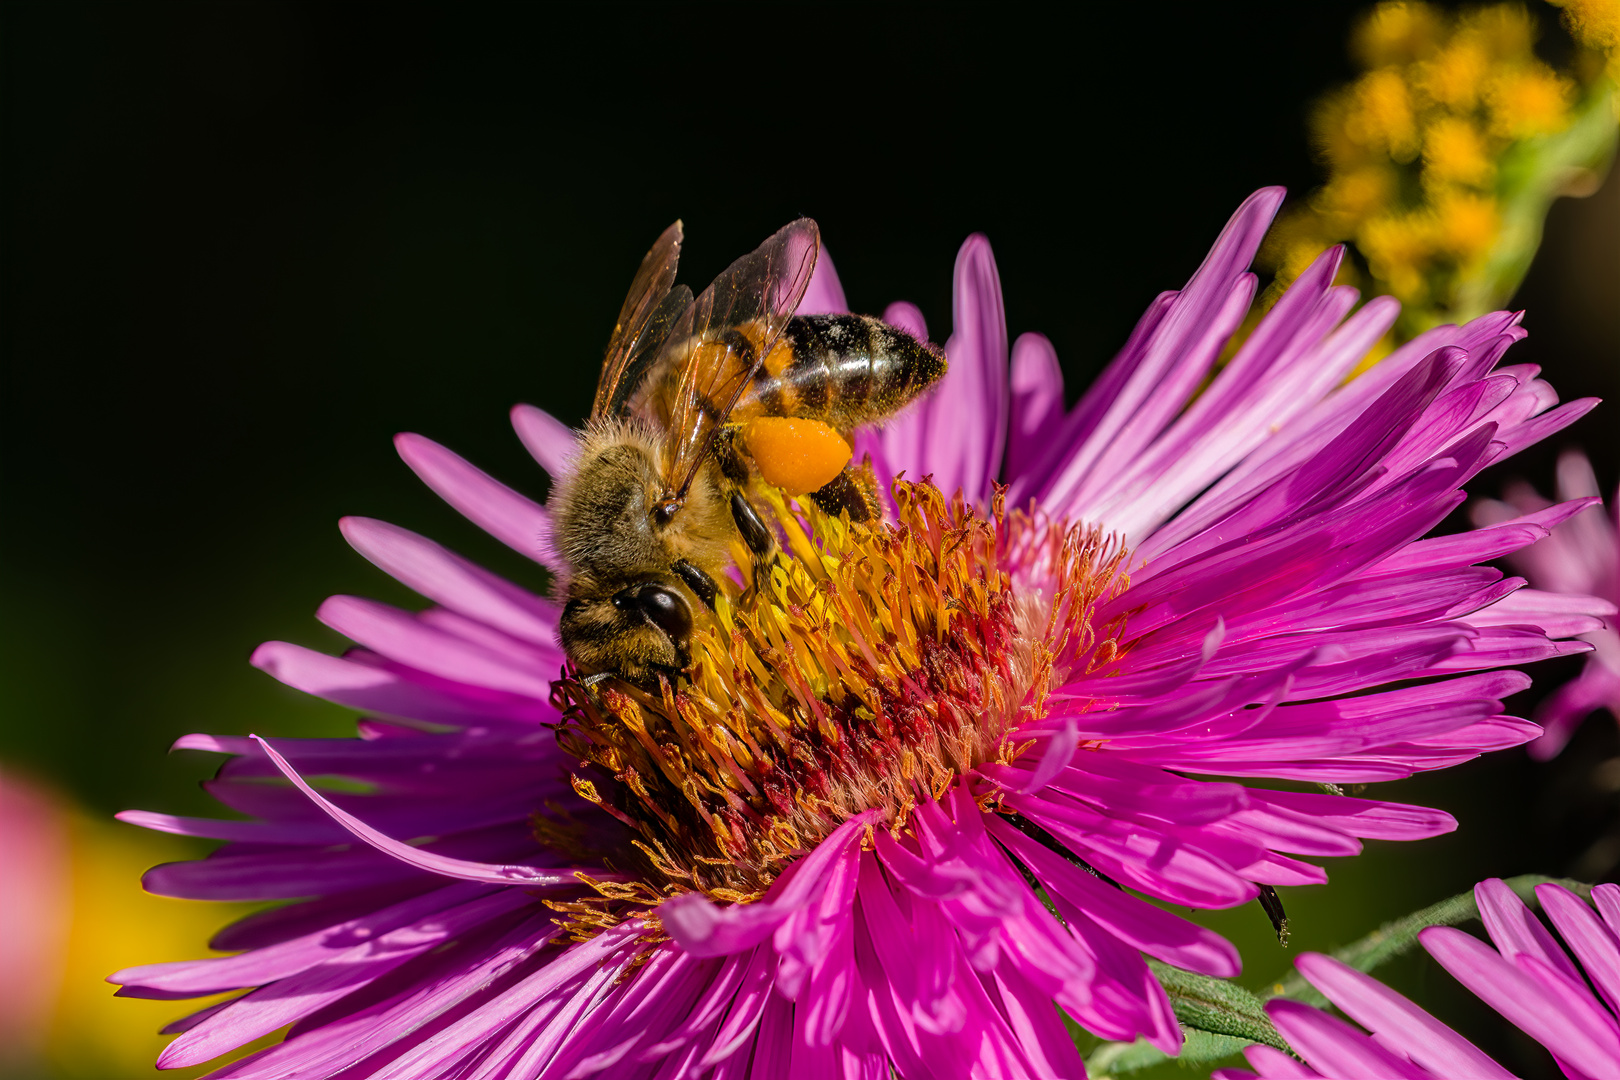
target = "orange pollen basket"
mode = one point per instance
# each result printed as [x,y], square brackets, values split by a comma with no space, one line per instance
[870,670]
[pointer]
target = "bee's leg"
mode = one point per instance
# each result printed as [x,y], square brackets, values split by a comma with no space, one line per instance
[755,533]
[696,580]
[853,491]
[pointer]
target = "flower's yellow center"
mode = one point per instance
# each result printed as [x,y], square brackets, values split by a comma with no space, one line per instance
[869,670]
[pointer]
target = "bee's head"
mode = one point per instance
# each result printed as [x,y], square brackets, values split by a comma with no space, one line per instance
[636,632]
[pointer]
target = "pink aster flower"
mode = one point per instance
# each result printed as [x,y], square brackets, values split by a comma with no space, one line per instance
[1581,557]
[821,857]
[1529,978]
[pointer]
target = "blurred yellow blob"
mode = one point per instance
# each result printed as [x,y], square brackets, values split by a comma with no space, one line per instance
[1397,249]
[1444,155]
[1353,194]
[1596,24]
[1506,30]
[1454,78]
[796,455]
[1381,118]
[1465,226]
[1532,100]
[115,924]
[1454,152]
[1396,33]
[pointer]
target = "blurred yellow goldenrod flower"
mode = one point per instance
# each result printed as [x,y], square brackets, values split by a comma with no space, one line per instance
[1396,33]
[1455,153]
[1596,25]
[1529,101]
[1454,77]
[1444,155]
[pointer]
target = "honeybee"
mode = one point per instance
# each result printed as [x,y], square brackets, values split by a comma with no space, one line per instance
[699,401]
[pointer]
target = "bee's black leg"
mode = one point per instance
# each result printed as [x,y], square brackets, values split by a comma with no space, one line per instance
[754,531]
[696,580]
[853,491]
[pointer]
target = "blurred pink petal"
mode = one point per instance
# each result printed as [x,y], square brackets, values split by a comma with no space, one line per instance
[35,897]
[1581,557]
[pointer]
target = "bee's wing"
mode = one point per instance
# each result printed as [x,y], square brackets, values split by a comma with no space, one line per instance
[723,338]
[649,311]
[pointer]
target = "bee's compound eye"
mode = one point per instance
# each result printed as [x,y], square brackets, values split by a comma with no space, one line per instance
[664,608]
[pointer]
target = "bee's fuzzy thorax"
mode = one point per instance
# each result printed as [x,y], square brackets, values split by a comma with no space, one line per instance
[601,531]
[576,496]
[874,668]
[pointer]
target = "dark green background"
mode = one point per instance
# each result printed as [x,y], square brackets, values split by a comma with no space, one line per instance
[245,243]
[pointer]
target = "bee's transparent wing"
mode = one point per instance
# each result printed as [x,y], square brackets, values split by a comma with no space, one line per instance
[649,311]
[723,338]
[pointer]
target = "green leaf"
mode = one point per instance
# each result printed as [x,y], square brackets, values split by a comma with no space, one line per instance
[1202,1048]
[1218,1019]
[1399,936]
[1218,1006]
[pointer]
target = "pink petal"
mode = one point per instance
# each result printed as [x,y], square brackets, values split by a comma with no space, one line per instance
[448,579]
[1273,1065]
[1606,898]
[1397,1022]
[1334,1048]
[516,521]
[548,440]
[299,994]
[1137,923]
[958,432]
[1515,929]
[377,690]
[424,860]
[398,636]
[1565,1021]
[1060,750]
[1594,945]
[250,832]
[1037,402]
[908,317]
[285,958]
[824,295]
[705,929]
[1164,361]
[1561,712]
[1365,818]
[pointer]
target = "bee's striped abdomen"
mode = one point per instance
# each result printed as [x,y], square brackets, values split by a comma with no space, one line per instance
[846,370]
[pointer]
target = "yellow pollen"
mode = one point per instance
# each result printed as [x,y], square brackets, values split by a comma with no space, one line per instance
[870,669]
[795,454]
